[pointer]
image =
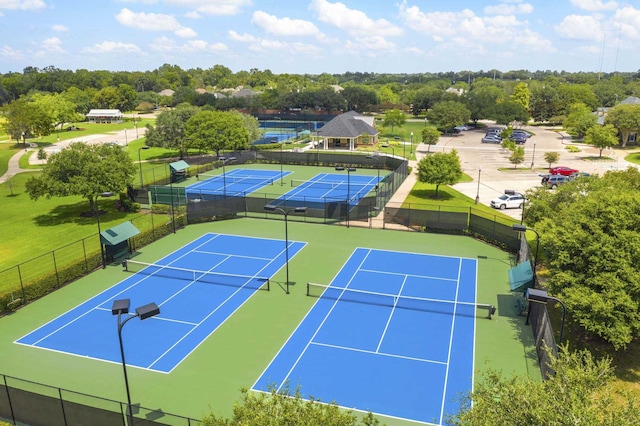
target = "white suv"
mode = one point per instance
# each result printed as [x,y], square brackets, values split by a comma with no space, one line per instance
[508,201]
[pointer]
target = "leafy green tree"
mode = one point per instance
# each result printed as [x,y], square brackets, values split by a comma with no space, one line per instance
[24,118]
[440,169]
[253,128]
[577,93]
[509,112]
[602,136]
[551,157]
[581,393]
[447,114]
[521,95]
[394,117]
[425,98]
[517,156]
[508,144]
[359,98]
[60,110]
[625,118]
[544,102]
[169,129]
[588,229]
[579,120]
[217,130]
[282,408]
[84,170]
[482,100]
[430,136]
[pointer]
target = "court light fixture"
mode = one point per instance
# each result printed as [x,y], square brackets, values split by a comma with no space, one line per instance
[521,228]
[286,212]
[121,307]
[541,296]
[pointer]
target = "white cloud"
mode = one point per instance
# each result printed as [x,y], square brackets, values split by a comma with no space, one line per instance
[284,26]
[264,45]
[52,44]
[213,7]
[165,44]
[580,27]
[509,9]
[594,5]
[60,28]
[9,53]
[355,22]
[627,21]
[153,22]
[113,47]
[22,4]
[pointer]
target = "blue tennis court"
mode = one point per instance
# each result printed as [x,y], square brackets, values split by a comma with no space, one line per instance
[393,334]
[196,287]
[328,188]
[236,182]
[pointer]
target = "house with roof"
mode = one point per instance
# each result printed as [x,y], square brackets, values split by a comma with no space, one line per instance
[349,131]
[104,116]
[601,114]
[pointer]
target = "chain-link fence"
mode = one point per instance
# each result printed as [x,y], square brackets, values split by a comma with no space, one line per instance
[34,403]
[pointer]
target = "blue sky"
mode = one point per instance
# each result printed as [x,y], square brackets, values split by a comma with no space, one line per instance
[315,36]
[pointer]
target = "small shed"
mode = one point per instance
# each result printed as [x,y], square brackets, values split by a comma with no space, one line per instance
[178,170]
[116,241]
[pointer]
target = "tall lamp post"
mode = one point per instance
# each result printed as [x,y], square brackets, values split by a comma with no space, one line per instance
[411,145]
[533,157]
[119,308]
[521,228]
[371,157]
[281,175]
[273,208]
[541,296]
[478,190]
[140,163]
[349,171]
[225,160]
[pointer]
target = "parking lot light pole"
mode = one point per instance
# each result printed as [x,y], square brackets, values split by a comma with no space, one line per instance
[273,208]
[411,145]
[478,190]
[533,157]
[120,307]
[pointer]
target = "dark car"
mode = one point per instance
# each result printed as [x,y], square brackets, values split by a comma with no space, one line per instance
[491,139]
[518,138]
[556,180]
[562,170]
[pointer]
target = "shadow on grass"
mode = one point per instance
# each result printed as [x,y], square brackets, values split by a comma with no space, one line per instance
[430,195]
[79,214]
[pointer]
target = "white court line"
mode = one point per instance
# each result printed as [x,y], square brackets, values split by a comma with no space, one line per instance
[393,309]
[286,378]
[345,348]
[453,324]
[407,275]
[157,318]
[230,255]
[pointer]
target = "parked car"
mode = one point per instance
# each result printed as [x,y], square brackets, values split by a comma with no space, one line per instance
[461,128]
[508,201]
[578,174]
[556,180]
[545,178]
[521,132]
[562,170]
[518,138]
[492,139]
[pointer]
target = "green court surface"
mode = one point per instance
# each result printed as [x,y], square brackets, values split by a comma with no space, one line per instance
[235,355]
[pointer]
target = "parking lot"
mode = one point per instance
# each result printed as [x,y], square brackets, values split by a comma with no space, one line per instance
[489,164]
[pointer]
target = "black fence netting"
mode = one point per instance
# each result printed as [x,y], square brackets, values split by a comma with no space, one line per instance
[538,317]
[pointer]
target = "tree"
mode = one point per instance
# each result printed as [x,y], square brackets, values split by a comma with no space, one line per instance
[440,169]
[601,136]
[517,156]
[430,136]
[84,170]
[448,114]
[588,230]
[508,144]
[579,120]
[551,157]
[509,112]
[581,393]
[60,110]
[282,408]
[521,95]
[217,130]
[25,118]
[394,117]
[625,118]
[169,131]
[359,98]
[482,100]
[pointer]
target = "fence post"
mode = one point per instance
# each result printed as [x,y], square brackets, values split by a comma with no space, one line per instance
[84,252]
[55,267]
[24,300]
[6,388]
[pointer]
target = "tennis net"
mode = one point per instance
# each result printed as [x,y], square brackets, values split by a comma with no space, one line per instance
[209,277]
[353,187]
[239,179]
[424,304]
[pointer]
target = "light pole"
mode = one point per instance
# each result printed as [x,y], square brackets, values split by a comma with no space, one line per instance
[411,145]
[533,157]
[349,171]
[173,214]
[478,191]
[318,148]
[135,125]
[126,140]
[225,160]
[120,307]
[541,296]
[273,208]
[281,176]
[140,163]
[371,157]
[521,228]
